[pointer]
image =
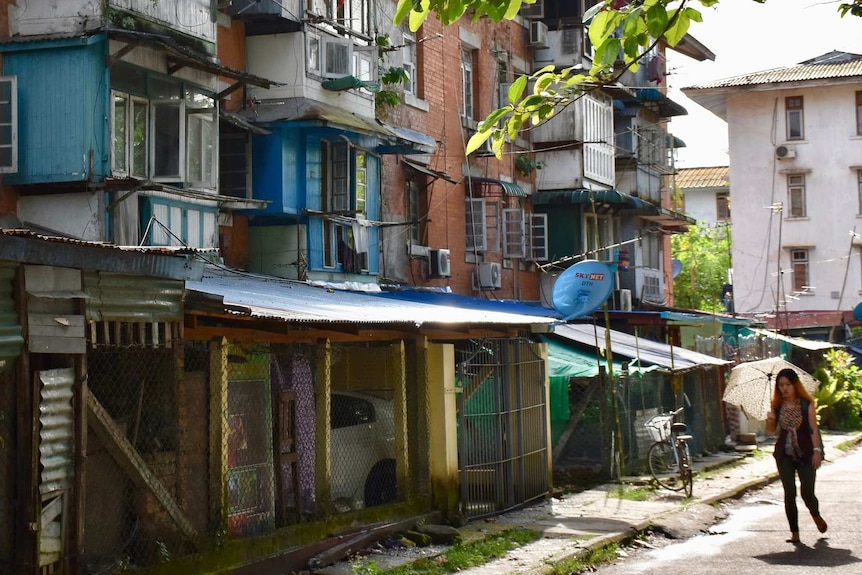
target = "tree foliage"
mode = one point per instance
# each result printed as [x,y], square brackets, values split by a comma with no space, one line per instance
[705,256]
[630,27]
[839,397]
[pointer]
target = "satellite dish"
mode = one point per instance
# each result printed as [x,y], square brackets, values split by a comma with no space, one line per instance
[582,288]
[675,267]
[857,312]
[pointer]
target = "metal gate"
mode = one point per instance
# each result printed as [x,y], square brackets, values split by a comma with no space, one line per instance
[502,425]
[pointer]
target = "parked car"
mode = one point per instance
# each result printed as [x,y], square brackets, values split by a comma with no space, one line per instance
[363,450]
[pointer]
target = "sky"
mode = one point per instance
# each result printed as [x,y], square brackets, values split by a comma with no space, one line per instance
[746,36]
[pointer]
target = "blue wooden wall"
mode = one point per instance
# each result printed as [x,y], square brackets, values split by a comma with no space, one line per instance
[63,97]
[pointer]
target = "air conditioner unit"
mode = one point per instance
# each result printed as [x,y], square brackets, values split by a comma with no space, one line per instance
[488,277]
[439,263]
[785,152]
[538,34]
[625,300]
[534,10]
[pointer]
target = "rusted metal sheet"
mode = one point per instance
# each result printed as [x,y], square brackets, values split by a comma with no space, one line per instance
[56,429]
[132,298]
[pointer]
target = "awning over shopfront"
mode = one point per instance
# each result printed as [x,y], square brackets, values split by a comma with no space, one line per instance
[641,351]
[567,361]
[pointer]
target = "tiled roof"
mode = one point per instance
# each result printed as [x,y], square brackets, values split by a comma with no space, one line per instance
[828,66]
[712,177]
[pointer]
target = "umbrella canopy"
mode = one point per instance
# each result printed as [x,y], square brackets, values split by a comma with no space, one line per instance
[751,384]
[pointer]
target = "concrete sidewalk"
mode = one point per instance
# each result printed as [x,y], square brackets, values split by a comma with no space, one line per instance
[576,523]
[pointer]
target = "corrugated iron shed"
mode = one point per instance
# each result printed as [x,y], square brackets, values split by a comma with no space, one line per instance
[273,298]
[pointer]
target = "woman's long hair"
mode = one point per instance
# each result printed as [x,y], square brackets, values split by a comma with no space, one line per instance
[793,378]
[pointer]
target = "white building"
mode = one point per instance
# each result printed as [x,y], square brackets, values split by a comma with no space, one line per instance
[704,194]
[795,138]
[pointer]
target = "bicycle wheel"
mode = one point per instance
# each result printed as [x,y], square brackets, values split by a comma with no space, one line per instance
[686,472]
[663,466]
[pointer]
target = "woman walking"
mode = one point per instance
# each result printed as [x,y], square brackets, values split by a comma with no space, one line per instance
[798,449]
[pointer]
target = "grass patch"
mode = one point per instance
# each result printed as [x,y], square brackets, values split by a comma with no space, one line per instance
[631,493]
[459,557]
[588,562]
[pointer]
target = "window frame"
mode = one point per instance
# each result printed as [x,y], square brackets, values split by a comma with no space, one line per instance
[174,216]
[476,239]
[537,250]
[154,142]
[722,206]
[409,62]
[601,225]
[859,113]
[514,233]
[796,197]
[799,262]
[202,118]
[794,116]
[413,195]
[9,125]
[859,189]
[468,85]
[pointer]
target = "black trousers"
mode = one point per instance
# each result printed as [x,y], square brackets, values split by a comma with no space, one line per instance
[788,469]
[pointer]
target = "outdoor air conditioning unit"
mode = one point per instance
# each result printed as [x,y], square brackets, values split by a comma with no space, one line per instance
[625,300]
[785,152]
[538,34]
[488,276]
[439,263]
[533,11]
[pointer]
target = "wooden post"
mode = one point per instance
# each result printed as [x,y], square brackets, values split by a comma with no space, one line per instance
[218,385]
[79,503]
[322,435]
[443,435]
[398,380]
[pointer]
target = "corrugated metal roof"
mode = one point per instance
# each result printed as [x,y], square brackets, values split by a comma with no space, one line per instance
[829,66]
[274,298]
[646,351]
[711,177]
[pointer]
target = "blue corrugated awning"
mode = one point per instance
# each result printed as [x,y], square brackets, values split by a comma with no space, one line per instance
[584,196]
[509,188]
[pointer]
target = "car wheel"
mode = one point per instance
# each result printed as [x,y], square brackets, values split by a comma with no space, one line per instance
[380,485]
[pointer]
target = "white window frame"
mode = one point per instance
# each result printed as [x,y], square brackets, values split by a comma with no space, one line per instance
[796,201]
[514,233]
[197,121]
[116,156]
[799,262]
[414,210]
[538,238]
[181,140]
[795,118]
[859,188]
[8,125]
[409,62]
[337,57]
[605,226]
[858,103]
[475,225]
[314,53]
[468,84]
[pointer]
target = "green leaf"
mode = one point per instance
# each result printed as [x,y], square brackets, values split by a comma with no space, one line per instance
[545,70]
[417,17]
[591,13]
[678,28]
[694,14]
[602,25]
[513,127]
[512,10]
[656,20]
[543,82]
[402,10]
[494,117]
[532,101]
[516,90]
[477,140]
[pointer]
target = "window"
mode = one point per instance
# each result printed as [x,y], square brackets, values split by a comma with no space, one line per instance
[794,118]
[313,53]
[467,86]
[599,234]
[414,211]
[514,237]
[799,261]
[234,163]
[161,128]
[169,223]
[722,206]
[408,55]
[353,15]
[859,188]
[538,237]
[651,251]
[337,58]
[8,124]
[129,127]
[482,225]
[859,113]
[796,195]
[344,190]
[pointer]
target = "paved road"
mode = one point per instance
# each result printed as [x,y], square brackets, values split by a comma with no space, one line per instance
[752,538]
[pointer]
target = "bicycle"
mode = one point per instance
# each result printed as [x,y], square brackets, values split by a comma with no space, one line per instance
[669,458]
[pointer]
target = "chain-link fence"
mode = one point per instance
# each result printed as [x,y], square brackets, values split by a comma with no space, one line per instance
[205,442]
[7,467]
